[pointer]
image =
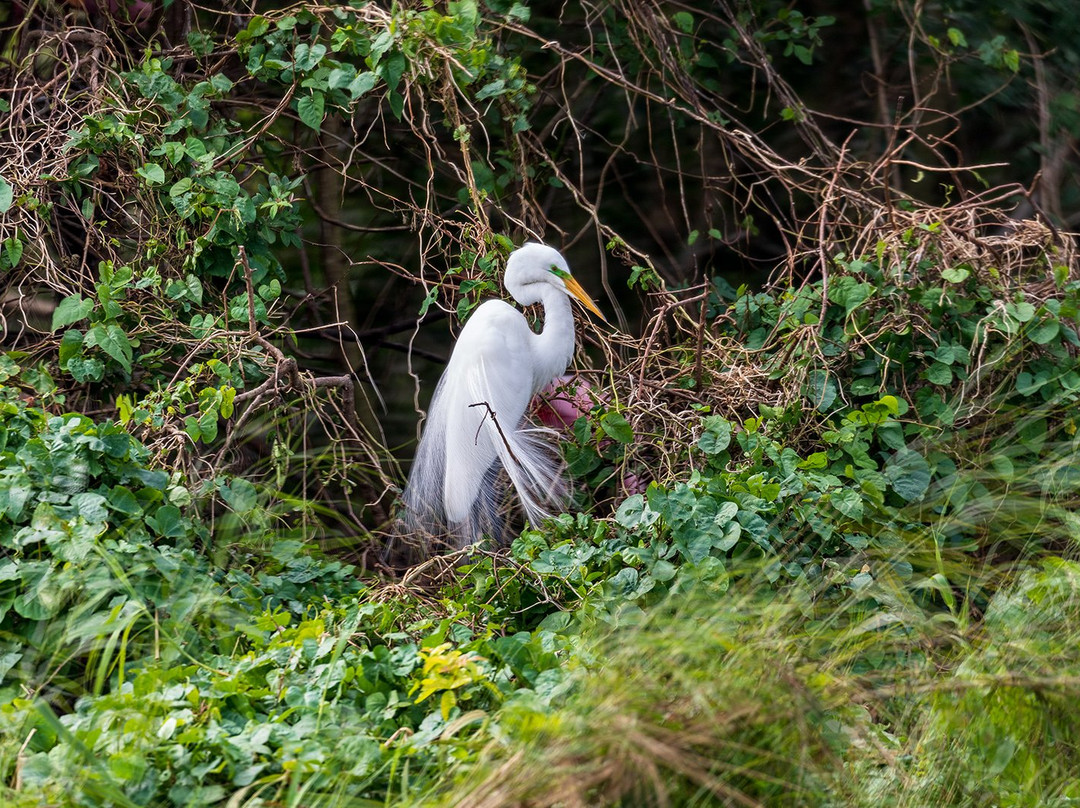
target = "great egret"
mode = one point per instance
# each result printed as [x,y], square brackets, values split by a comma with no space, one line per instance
[475,424]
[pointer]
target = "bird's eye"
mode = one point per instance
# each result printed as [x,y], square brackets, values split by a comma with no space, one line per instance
[559,273]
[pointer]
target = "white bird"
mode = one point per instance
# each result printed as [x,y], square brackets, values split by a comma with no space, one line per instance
[476,422]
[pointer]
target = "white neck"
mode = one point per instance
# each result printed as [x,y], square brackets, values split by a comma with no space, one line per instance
[554,345]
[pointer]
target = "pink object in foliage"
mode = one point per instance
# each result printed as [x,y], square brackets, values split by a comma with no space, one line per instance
[634,484]
[563,401]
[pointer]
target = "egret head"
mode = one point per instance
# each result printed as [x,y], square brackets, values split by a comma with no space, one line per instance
[534,263]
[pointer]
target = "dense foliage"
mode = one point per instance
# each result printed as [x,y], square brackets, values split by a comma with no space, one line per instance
[822,550]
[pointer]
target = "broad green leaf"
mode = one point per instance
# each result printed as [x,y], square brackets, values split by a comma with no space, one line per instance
[221,82]
[891,434]
[7,196]
[1029,383]
[192,428]
[70,346]
[397,107]
[715,436]
[361,85]
[167,521]
[955,274]
[70,310]
[848,502]
[909,474]
[816,460]
[112,339]
[228,395]
[208,426]
[86,369]
[8,368]
[616,427]
[1022,311]
[311,108]
[123,501]
[13,252]
[8,661]
[730,538]
[37,605]
[152,173]
[848,292]
[939,373]
[856,540]
[239,494]
[821,389]
[180,187]
[340,77]
[491,89]
[1044,331]
[634,511]
[684,20]
[90,506]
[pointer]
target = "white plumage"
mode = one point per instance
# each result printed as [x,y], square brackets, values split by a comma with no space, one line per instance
[476,422]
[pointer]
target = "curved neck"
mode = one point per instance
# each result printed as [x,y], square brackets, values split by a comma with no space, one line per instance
[555,343]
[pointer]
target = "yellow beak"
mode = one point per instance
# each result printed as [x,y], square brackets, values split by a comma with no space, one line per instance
[574,288]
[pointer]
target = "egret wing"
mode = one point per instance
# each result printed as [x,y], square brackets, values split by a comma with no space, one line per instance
[475,426]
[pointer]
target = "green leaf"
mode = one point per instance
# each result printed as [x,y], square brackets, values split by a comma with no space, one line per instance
[955,274]
[112,339]
[71,309]
[13,251]
[167,521]
[70,346]
[616,427]
[86,369]
[8,368]
[7,196]
[240,495]
[634,511]
[848,502]
[361,85]
[716,435]
[191,427]
[208,426]
[684,20]
[1044,331]
[152,173]
[848,292]
[957,38]
[392,68]
[228,395]
[311,108]
[123,501]
[221,83]
[1027,383]
[821,389]
[491,89]
[1022,311]
[90,506]
[397,106]
[939,373]
[340,77]
[909,474]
